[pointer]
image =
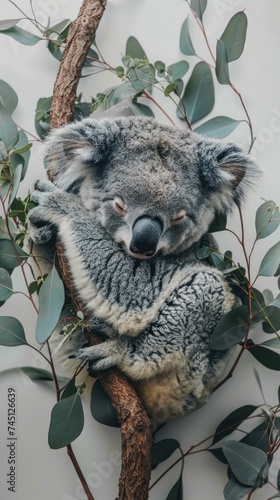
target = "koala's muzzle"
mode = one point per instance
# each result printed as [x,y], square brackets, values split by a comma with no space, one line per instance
[146,233]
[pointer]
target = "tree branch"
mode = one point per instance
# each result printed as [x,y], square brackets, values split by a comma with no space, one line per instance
[134,421]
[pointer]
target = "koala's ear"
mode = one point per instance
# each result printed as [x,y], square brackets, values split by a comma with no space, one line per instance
[226,171]
[70,150]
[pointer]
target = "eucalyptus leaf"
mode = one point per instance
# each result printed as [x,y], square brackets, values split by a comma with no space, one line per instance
[51,300]
[8,97]
[186,45]
[272,343]
[11,254]
[8,129]
[163,450]
[218,127]
[21,36]
[58,27]
[258,437]
[140,80]
[141,109]
[234,36]
[265,219]
[6,285]
[245,461]
[273,315]
[37,373]
[134,49]
[218,224]
[203,252]
[101,407]
[198,97]
[70,389]
[221,68]
[55,49]
[16,183]
[176,492]
[218,454]
[270,262]
[11,332]
[266,357]
[178,69]
[199,7]
[67,422]
[22,148]
[232,421]
[124,91]
[231,329]
[234,490]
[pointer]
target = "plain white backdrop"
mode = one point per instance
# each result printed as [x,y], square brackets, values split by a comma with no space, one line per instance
[48,474]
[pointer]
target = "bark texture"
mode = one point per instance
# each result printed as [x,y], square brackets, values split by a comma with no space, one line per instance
[135,423]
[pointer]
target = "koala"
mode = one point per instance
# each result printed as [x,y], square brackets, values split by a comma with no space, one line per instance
[131,202]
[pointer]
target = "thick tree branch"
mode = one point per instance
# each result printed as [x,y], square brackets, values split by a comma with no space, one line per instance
[135,423]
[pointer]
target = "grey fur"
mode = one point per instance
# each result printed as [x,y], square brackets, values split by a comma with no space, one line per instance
[158,313]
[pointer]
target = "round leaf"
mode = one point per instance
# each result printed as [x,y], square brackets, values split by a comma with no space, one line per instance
[230,329]
[222,71]
[198,97]
[67,422]
[218,127]
[134,49]
[186,45]
[273,315]
[245,461]
[270,262]
[101,407]
[234,490]
[8,97]
[265,219]
[11,332]
[234,36]
[11,254]
[51,300]
[6,285]
[178,69]
[163,450]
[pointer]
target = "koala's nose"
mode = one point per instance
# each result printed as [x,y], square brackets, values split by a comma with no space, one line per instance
[146,233]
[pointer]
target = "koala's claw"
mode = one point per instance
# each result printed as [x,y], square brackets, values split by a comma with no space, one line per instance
[101,356]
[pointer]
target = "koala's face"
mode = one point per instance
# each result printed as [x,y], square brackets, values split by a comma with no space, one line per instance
[152,187]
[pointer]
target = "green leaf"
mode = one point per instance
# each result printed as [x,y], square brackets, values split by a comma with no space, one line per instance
[22,36]
[169,88]
[6,285]
[232,421]
[234,36]
[11,332]
[221,69]
[67,422]
[11,254]
[58,27]
[140,79]
[163,450]
[186,45]
[234,490]
[273,343]
[198,97]
[16,183]
[70,389]
[203,252]
[270,262]
[176,493]
[218,127]
[178,69]
[22,148]
[199,7]
[245,461]
[51,300]
[218,224]
[218,454]
[124,91]
[273,314]
[8,97]
[101,407]
[55,50]
[266,357]
[134,49]
[231,329]
[258,437]
[265,223]
[160,66]
[8,129]
[141,109]
[37,373]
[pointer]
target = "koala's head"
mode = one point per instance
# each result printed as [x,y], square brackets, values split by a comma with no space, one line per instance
[154,188]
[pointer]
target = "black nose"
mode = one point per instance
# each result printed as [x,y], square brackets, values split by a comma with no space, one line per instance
[146,233]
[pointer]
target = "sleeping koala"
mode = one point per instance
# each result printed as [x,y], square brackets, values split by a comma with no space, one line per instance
[132,202]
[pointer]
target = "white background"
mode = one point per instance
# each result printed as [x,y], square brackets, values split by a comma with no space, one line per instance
[48,474]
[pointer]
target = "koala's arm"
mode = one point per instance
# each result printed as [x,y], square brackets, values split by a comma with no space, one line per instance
[177,341]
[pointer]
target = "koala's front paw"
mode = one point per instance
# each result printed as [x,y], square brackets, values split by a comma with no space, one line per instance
[41,229]
[102,356]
